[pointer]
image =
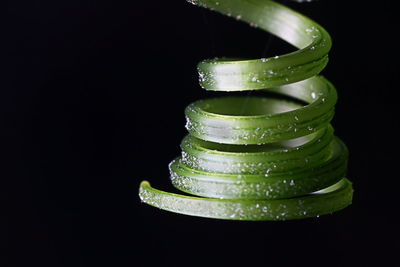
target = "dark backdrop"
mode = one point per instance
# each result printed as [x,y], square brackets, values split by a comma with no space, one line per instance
[93,96]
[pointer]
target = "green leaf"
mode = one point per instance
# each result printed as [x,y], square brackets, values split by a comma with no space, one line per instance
[261,158]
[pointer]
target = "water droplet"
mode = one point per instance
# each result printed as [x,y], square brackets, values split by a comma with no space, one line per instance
[313,95]
[265,209]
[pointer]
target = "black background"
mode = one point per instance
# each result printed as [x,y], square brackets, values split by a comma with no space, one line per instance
[93,97]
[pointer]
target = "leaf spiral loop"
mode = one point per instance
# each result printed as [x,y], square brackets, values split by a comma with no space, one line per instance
[261,158]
